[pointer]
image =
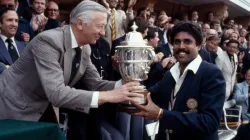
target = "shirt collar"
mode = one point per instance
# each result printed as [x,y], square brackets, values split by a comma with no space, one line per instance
[74,43]
[193,66]
[4,38]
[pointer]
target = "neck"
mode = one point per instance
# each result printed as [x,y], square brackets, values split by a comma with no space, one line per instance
[77,35]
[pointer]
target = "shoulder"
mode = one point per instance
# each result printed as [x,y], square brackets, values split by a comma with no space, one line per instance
[22,43]
[209,69]
[240,84]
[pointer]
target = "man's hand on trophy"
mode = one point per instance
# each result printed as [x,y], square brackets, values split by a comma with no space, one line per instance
[158,57]
[150,111]
[123,93]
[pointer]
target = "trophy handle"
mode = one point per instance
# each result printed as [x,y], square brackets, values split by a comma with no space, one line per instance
[151,55]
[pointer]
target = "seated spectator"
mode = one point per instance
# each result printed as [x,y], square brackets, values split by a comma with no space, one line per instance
[24,30]
[242,96]
[10,49]
[205,27]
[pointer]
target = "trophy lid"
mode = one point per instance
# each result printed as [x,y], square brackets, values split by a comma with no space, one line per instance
[133,38]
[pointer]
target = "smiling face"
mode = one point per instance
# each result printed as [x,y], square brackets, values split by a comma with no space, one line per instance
[185,48]
[93,30]
[9,24]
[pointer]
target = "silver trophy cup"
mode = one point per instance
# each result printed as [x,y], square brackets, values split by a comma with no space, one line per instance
[134,60]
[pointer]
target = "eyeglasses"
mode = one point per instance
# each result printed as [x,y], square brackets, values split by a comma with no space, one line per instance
[8,5]
[55,10]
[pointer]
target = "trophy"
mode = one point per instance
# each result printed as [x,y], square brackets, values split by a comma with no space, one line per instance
[134,60]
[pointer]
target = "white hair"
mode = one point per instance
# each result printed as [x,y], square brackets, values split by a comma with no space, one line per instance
[85,11]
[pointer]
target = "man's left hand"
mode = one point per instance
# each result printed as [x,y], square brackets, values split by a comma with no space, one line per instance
[149,111]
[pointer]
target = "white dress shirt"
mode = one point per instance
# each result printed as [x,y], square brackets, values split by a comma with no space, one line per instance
[6,43]
[175,72]
[95,97]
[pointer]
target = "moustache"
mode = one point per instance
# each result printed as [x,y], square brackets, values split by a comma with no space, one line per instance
[182,50]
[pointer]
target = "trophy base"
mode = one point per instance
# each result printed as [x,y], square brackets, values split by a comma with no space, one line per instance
[128,106]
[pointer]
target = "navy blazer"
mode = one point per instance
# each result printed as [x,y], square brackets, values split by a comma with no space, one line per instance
[4,54]
[208,88]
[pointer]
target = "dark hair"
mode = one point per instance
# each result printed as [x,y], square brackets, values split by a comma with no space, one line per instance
[140,23]
[233,41]
[191,28]
[151,33]
[4,10]
[140,10]
[247,36]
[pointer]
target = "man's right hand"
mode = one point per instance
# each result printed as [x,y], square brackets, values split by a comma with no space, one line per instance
[124,93]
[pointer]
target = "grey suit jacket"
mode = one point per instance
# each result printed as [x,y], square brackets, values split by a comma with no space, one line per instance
[41,75]
[121,23]
[241,97]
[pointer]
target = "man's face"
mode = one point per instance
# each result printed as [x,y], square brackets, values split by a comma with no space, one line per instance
[211,17]
[195,15]
[121,3]
[212,45]
[232,48]
[151,22]
[112,3]
[155,40]
[94,29]
[185,48]
[39,6]
[211,32]
[231,22]
[53,10]
[8,3]
[234,36]
[205,27]
[9,24]
[247,77]
[243,32]
[217,27]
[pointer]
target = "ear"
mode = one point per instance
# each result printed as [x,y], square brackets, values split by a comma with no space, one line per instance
[79,24]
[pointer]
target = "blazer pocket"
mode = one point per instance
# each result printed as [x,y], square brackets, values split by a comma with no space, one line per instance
[15,97]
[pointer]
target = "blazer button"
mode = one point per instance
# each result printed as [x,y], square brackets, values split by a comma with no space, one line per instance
[170,131]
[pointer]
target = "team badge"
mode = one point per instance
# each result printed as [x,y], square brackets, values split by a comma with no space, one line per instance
[192,104]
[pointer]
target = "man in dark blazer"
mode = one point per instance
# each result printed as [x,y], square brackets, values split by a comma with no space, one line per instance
[10,49]
[188,101]
[52,63]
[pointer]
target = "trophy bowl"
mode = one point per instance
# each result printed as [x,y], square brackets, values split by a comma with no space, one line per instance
[135,58]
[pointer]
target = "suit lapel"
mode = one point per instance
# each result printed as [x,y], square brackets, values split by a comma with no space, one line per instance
[67,55]
[4,52]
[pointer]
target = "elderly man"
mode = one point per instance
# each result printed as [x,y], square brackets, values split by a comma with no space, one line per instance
[188,100]
[49,67]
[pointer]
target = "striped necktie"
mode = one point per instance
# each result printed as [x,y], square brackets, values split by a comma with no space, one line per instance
[113,24]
